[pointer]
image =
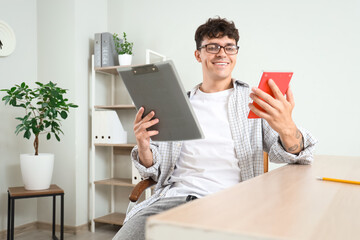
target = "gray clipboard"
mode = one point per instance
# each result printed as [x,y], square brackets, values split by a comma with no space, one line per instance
[158,87]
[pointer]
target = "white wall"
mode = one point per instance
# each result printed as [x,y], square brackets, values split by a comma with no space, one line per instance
[20,66]
[317,39]
[65,37]
[56,62]
[54,42]
[90,18]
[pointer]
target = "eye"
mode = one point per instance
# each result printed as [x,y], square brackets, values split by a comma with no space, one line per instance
[230,48]
[212,47]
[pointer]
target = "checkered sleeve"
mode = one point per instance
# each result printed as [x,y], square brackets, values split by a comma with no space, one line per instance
[278,154]
[150,172]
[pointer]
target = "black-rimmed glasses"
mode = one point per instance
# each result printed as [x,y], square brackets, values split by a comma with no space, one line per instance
[215,48]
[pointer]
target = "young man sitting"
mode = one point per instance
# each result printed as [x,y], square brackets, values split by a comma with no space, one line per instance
[232,150]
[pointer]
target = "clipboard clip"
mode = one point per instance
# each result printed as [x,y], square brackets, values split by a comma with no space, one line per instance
[150,68]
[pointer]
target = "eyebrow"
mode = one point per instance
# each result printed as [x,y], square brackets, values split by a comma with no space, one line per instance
[227,44]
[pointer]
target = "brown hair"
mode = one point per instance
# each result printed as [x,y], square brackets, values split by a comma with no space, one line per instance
[216,28]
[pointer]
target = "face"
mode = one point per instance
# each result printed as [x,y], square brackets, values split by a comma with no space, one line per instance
[216,67]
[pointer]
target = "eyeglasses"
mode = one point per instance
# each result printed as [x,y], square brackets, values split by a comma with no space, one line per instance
[215,48]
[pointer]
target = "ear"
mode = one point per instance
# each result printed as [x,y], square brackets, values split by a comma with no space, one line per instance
[197,55]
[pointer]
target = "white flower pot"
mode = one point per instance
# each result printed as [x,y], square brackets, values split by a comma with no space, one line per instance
[125,59]
[37,170]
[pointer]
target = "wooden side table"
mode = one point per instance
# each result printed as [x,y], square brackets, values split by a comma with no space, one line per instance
[21,192]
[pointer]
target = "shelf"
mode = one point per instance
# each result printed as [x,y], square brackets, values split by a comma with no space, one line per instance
[109,70]
[118,148]
[125,145]
[112,69]
[112,218]
[123,106]
[122,182]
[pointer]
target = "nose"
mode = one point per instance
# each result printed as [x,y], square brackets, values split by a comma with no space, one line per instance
[221,52]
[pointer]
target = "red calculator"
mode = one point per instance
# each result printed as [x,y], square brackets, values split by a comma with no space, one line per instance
[281,79]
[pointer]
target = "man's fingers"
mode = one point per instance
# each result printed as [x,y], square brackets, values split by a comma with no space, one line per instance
[139,114]
[150,123]
[263,95]
[290,97]
[264,105]
[275,89]
[153,133]
[258,112]
[138,117]
[149,116]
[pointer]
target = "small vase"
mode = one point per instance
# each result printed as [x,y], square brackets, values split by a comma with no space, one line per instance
[37,170]
[125,59]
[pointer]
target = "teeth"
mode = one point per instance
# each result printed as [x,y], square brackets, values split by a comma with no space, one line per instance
[220,63]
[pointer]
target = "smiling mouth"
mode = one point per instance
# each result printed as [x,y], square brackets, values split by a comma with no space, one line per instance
[221,63]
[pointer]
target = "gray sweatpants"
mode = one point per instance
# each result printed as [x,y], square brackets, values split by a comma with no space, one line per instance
[134,228]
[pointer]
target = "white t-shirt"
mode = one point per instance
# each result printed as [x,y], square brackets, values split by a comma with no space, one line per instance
[207,165]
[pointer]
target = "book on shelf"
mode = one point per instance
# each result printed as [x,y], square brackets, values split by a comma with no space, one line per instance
[107,128]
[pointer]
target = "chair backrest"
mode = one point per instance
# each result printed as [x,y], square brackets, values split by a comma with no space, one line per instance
[266,162]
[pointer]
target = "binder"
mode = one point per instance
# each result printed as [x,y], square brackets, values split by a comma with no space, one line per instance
[97,50]
[109,56]
[107,128]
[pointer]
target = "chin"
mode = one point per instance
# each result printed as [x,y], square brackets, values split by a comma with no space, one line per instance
[221,77]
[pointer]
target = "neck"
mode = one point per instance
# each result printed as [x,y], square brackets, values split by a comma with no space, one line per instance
[209,86]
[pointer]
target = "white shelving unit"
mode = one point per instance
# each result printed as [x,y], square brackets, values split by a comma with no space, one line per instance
[112,217]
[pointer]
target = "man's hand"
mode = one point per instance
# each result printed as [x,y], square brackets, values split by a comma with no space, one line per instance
[143,136]
[277,113]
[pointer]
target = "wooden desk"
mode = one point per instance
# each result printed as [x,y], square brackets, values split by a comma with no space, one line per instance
[287,203]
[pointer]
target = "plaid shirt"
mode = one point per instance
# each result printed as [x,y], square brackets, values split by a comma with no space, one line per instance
[251,137]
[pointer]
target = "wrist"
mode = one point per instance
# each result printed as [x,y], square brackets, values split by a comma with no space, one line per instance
[288,132]
[292,142]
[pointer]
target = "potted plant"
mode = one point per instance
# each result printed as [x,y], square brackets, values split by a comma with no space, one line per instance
[45,106]
[124,49]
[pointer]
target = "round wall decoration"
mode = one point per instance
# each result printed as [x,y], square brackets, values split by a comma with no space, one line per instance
[7,39]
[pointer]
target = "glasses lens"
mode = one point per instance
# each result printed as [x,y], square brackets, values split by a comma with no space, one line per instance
[212,48]
[231,49]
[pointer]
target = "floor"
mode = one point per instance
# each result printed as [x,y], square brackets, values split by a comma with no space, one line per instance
[104,232]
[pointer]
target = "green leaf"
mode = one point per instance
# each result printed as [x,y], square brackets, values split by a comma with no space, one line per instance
[63,114]
[48,136]
[35,130]
[23,84]
[72,105]
[47,124]
[19,130]
[57,137]
[6,99]
[18,127]
[13,101]
[27,134]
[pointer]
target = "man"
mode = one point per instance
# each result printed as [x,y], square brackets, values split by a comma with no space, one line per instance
[232,149]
